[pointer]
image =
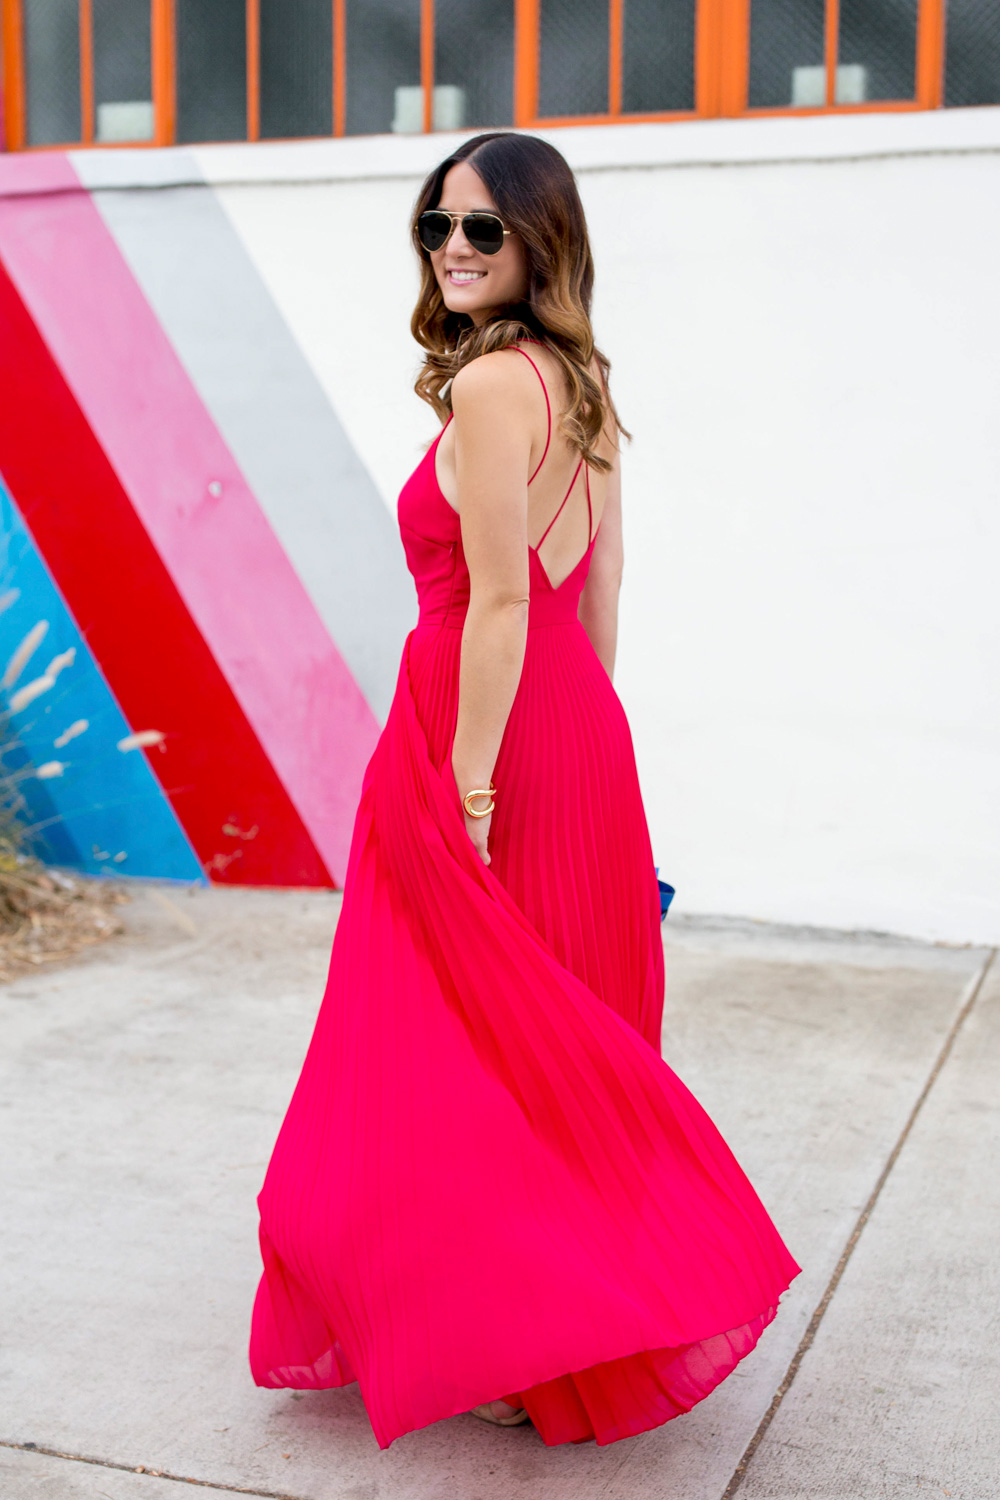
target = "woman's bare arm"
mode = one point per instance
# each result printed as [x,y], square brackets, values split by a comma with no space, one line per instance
[494,421]
[599,600]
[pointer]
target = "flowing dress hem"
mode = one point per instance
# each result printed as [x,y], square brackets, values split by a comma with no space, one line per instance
[338,1374]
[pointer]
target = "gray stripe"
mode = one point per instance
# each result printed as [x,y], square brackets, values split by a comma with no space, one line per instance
[276,419]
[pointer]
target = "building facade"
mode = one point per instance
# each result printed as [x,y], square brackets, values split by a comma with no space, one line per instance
[207,413]
[183,71]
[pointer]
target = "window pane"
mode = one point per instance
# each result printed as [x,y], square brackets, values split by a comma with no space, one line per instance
[52,70]
[972,42]
[383,66]
[877,52]
[786,53]
[658,55]
[296,67]
[123,87]
[573,76]
[473,63]
[211,70]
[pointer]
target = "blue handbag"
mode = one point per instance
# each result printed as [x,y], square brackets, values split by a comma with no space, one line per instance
[667,894]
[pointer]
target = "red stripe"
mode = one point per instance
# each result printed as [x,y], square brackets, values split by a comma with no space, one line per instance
[212,768]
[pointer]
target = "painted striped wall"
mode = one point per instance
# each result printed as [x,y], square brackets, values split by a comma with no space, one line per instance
[206,412]
[185,515]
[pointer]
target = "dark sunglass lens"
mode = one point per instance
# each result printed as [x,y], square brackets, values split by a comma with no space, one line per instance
[484,233]
[433,229]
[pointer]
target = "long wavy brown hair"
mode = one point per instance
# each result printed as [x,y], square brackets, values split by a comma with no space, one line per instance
[536,196]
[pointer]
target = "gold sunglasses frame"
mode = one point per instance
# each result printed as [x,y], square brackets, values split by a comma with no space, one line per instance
[474,213]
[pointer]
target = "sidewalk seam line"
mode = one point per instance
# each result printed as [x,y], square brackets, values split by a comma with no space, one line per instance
[110,1463]
[973,990]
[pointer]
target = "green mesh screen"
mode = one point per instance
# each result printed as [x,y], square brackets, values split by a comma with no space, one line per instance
[473,63]
[972,52]
[658,55]
[296,67]
[52,71]
[383,57]
[211,70]
[123,83]
[573,67]
[878,40]
[786,50]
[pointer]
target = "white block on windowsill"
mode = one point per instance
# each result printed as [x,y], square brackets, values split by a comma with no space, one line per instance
[852,83]
[809,85]
[448,108]
[125,120]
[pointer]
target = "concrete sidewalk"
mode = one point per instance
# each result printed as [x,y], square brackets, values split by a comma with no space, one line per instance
[143,1089]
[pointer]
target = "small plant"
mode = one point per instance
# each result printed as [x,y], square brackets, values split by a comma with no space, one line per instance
[45,915]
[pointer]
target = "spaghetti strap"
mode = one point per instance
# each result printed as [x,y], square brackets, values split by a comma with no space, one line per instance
[560,510]
[590,510]
[548,406]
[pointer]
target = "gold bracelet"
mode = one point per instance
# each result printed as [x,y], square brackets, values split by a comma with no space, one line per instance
[478,792]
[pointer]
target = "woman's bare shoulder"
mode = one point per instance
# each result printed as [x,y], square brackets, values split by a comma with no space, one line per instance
[503,375]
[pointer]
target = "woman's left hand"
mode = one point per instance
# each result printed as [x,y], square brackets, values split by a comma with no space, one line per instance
[478,830]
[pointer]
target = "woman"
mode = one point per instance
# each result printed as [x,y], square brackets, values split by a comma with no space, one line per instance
[490,1192]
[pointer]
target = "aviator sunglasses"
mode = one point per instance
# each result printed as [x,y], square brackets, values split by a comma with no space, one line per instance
[484,232]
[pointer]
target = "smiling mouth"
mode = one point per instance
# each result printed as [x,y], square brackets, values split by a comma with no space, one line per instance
[464,278]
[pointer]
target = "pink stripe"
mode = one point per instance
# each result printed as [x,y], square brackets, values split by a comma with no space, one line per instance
[246,599]
[35,172]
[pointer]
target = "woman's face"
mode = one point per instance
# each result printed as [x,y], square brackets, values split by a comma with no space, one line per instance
[471,282]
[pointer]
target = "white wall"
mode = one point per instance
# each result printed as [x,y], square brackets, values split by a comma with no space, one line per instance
[811,371]
[804,323]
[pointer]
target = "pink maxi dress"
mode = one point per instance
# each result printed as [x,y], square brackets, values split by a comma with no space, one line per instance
[488,1183]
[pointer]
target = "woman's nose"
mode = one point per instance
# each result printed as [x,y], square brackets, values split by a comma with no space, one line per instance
[458,244]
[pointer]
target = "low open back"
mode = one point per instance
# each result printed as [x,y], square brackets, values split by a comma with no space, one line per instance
[560,509]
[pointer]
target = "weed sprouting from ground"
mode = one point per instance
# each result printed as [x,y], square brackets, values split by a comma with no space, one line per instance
[45,915]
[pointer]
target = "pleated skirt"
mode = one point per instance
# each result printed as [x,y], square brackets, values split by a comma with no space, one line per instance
[488,1183]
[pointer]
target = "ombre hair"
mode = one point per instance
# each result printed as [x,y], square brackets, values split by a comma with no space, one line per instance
[536,196]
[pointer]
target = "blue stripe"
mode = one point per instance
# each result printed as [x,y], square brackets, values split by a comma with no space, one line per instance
[106,813]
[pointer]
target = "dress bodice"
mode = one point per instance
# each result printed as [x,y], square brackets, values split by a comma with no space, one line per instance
[432,540]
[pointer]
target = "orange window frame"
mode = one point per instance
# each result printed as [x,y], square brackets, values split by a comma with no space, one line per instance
[928,73]
[721,65]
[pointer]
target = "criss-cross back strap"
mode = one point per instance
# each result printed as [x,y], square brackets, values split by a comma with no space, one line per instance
[559,512]
[548,406]
[548,440]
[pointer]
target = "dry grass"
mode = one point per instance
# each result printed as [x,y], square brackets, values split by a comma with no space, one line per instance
[46,916]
